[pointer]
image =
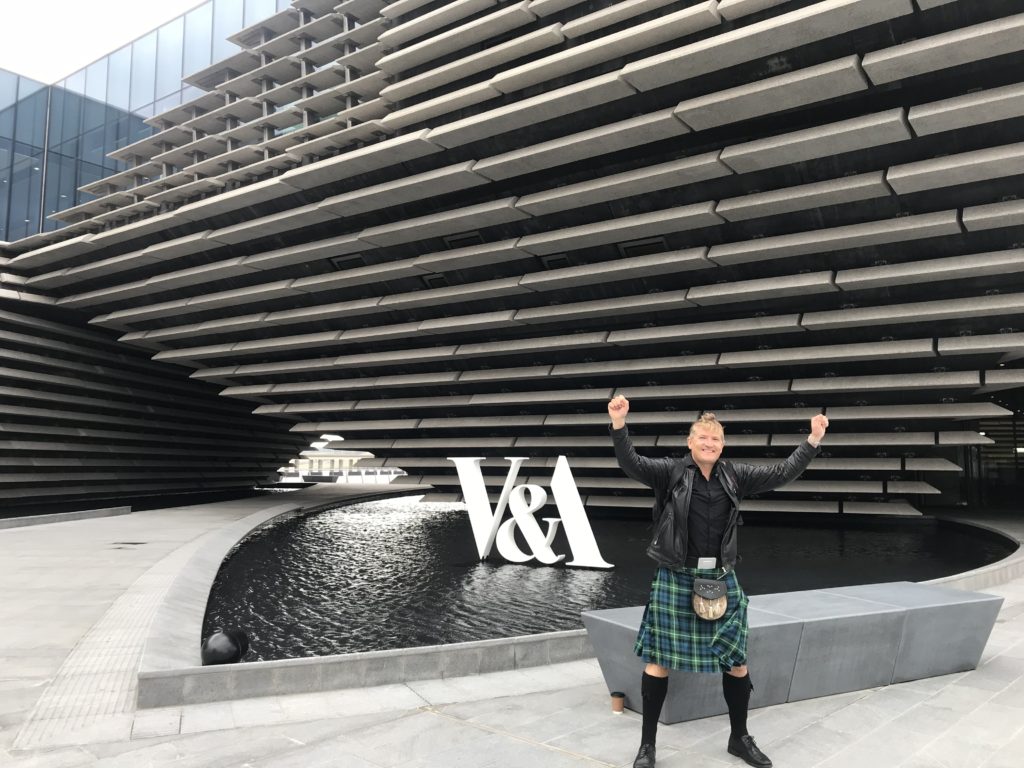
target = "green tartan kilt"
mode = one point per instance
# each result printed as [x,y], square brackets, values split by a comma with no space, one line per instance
[671,635]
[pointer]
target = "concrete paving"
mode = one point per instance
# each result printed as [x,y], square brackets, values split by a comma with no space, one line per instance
[64,584]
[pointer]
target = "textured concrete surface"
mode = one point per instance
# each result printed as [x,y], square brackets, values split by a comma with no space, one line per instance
[816,643]
[63,582]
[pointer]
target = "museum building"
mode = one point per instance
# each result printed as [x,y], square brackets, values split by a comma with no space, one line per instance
[458,228]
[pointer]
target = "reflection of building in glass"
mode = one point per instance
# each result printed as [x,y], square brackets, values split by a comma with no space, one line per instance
[52,142]
[23,108]
[455,229]
[56,139]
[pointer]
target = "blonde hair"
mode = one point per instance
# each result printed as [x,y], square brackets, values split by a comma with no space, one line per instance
[707,420]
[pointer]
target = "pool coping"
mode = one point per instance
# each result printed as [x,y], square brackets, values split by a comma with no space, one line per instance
[171,672]
[993,574]
[62,517]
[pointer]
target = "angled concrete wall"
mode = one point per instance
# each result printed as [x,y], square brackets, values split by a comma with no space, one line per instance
[86,419]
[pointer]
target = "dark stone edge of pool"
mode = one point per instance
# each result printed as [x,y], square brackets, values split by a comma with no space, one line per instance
[170,673]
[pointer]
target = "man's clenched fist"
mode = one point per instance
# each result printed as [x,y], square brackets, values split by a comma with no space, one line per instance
[818,426]
[618,407]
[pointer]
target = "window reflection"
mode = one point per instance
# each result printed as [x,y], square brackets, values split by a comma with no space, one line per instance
[170,39]
[258,9]
[119,78]
[198,38]
[143,71]
[96,80]
[56,139]
[228,18]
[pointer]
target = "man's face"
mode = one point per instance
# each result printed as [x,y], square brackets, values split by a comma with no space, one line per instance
[705,445]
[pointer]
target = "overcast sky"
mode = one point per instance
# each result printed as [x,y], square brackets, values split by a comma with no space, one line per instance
[49,39]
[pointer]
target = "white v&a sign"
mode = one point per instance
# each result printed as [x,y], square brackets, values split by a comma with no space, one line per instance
[524,501]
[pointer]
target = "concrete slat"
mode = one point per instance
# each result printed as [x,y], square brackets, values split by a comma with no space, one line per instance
[822,82]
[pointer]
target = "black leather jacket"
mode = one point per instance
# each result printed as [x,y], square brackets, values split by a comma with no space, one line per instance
[672,483]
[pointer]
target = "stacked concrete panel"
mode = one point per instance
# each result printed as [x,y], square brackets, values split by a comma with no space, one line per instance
[457,228]
[86,421]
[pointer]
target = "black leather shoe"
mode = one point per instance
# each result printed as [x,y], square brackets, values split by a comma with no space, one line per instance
[645,757]
[745,747]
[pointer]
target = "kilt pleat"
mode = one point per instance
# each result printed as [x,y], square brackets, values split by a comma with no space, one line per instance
[671,635]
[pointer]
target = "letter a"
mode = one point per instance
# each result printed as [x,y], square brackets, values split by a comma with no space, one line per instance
[574,519]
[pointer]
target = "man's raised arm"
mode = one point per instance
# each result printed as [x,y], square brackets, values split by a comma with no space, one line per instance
[756,479]
[653,473]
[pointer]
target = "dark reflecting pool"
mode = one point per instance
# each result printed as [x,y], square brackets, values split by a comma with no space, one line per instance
[397,574]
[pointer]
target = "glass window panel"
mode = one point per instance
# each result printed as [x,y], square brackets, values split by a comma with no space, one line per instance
[87,174]
[227,19]
[30,124]
[5,184]
[8,89]
[93,146]
[26,184]
[76,82]
[65,116]
[96,80]
[138,130]
[257,10]
[60,183]
[119,77]
[143,71]
[116,130]
[168,102]
[171,38]
[198,38]
[94,114]
[190,92]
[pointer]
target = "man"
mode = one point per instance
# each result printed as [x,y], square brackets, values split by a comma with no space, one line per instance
[696,513]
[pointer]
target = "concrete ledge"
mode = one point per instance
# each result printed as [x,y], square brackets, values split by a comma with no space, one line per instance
[961,46]
[196,685]
[818,643]
[590,143]
[63,517]
[774,94]
[803,26]
[634,37]
[530,43]
[820,141]
[457,38]
[968,167]
[968,110]
[865,186]
[994,574]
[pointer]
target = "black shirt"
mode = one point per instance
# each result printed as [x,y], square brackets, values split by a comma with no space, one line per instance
[708,515]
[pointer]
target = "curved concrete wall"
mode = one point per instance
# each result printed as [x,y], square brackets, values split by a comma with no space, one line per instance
[458,228]
[85,419]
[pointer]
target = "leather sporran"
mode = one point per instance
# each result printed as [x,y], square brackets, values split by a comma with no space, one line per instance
[710,598]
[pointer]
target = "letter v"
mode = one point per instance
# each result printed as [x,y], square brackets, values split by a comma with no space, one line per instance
[485,522]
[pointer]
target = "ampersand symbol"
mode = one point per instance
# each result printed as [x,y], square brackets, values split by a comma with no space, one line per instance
[523,517]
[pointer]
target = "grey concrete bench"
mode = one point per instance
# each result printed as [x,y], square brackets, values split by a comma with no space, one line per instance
[816,643]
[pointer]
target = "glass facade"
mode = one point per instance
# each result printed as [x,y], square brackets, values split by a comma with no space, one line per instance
[23,109]
[55,139]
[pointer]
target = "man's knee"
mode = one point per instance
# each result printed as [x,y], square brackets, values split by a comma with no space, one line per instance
[740,671]
[656,670]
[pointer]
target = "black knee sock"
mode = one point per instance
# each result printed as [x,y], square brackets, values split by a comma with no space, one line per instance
[653,690]
[737,698]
